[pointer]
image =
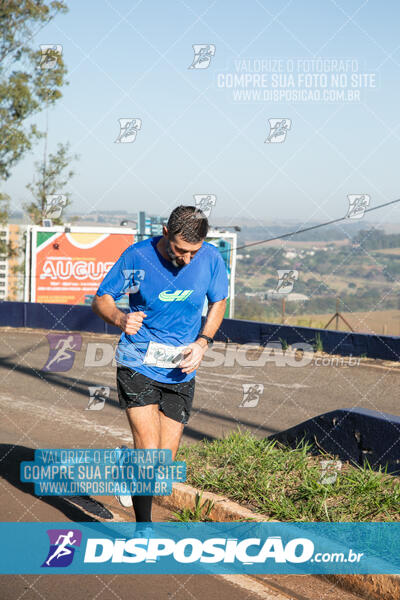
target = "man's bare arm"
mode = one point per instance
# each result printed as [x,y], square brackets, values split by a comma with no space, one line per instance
[214,318]
[197,349]
[105,307]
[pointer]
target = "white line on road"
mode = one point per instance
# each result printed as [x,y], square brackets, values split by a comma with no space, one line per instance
[64,416]
[257,590]
[289,386]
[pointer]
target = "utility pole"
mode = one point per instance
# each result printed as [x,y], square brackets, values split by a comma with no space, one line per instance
[338,316]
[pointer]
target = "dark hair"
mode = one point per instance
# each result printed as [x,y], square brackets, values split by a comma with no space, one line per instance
[188,221]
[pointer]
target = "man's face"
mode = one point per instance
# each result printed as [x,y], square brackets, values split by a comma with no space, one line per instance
[180,251]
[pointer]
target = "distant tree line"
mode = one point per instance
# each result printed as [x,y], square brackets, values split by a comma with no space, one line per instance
[255,309]
[376,239]
[325,234]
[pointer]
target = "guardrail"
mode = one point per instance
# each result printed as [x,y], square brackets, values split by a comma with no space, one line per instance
[66,317]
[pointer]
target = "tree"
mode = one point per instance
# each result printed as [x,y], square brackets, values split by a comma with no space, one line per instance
[6,249]
[51,179]
[369,239]
[26,86]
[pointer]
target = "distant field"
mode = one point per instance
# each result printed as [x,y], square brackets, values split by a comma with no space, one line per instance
[378,322]
[293,244]
[390,251]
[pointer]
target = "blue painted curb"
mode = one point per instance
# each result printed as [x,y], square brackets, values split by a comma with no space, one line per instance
[358,435]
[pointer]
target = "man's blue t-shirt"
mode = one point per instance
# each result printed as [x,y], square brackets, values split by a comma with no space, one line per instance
[172,298]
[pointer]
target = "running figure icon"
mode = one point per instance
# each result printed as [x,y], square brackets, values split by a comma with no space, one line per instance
[62,347]
[278,130]
[62,549]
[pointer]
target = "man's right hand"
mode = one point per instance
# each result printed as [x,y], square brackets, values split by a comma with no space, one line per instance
[131,323]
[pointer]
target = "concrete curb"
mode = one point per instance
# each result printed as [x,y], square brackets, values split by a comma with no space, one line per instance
[183,496]
[371,587]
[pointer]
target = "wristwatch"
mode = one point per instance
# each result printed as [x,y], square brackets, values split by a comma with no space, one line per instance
[208,339]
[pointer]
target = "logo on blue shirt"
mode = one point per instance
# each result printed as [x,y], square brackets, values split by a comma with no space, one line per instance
[178,295]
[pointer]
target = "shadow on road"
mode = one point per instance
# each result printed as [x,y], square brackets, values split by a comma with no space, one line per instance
[75,508]
[77,385]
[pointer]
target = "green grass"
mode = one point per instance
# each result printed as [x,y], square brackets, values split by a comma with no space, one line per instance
[318,346]
[284,344]
[284,483]
[200,512]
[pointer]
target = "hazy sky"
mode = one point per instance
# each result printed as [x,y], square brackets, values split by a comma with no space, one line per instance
[131,60]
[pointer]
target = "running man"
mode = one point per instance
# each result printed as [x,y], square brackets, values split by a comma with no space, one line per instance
[180,271]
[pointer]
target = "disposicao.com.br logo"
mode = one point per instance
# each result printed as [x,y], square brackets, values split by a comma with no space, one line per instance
[201,548]
[213,550]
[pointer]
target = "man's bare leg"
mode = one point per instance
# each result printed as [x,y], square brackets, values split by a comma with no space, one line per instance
[152,429]
[144,422]
[170,434]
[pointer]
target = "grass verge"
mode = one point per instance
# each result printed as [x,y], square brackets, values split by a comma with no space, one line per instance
[200,511]
[285,484]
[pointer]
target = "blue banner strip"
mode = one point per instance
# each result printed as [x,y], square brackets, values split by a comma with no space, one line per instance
[200,548]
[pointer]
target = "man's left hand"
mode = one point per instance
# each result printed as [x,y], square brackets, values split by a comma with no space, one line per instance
[193,356]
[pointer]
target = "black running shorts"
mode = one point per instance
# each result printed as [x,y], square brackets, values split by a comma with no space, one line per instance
[174,399]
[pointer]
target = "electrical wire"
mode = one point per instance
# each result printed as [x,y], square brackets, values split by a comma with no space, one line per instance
[285,235]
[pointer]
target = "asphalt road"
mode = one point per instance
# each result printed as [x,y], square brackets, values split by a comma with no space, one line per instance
[48,408]
[291,394]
